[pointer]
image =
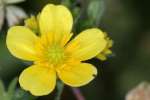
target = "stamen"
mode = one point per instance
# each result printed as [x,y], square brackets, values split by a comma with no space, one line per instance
[55,54]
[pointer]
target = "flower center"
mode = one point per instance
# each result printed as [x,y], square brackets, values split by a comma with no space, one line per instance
[55,54]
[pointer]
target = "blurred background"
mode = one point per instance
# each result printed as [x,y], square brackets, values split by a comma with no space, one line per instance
[127,22]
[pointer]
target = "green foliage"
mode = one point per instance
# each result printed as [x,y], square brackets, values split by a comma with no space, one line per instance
[66,3]
[12,87]
[2,89]
[12,93]
[23,95]
[87,15]
[9,94]
[95,11]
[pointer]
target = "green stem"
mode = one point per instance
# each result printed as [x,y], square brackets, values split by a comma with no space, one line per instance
[60,87]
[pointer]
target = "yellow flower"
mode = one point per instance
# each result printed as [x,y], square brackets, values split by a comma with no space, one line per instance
[103,55]
[53,53]
[32,23]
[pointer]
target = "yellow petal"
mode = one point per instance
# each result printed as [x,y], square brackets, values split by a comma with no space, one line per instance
[87,44]
[56,21]
[77,75]
[102,57]
[38,80]
[108,52]
[20,42]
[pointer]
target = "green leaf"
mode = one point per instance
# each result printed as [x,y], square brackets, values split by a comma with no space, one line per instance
[76,12]
[2,90]
[95,11]
[12,87]
[66,3]
[23,95]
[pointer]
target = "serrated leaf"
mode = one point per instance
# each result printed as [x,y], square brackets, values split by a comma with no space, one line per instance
[95,10]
